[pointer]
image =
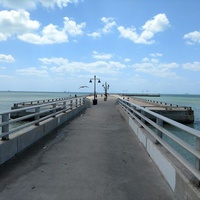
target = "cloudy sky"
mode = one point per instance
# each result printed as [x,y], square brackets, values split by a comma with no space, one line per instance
[136,46]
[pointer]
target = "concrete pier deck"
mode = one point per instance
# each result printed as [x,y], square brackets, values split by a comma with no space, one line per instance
[180,114]
[94,157]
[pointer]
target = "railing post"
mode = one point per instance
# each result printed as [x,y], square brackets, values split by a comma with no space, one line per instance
[143,114]
[37,117]
[197,161]
[54,109]
[71,104]
[160,123]
[80,101]
[64,105]
[197,164]
[5,128]
[76,102]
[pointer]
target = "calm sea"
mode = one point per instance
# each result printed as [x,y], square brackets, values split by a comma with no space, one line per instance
[8,98]
[183,100]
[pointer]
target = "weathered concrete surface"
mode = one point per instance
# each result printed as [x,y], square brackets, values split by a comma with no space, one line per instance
[178,113]
[94,157]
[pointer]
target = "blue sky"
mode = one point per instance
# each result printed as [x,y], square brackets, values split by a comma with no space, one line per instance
[136,46]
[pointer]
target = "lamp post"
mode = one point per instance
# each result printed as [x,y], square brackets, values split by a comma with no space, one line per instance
[95,94]
[106,87]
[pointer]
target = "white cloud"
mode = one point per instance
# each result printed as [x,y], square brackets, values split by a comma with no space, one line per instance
[6,58]
[192,37]
[129,33]
[195,66]
[2,76]
[16,22]
[53,60]
[155,67]
[94,35]
[52,34]
[72,28]
[18,4]
[156,54]
[59,3]
[109,24]
[62,66]
[102,56]
[32,4]
[158,24]
[32,71]
[127,60]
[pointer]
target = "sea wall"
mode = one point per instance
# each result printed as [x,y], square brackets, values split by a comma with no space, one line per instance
[181,181]
[24,138]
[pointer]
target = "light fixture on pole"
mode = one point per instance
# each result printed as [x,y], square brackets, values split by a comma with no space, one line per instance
[95,94]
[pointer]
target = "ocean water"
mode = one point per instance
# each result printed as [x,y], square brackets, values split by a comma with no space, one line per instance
[8,98]
[183,100]
[192,101]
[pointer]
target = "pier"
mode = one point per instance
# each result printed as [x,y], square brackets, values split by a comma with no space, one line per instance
[106,152]
[94,157]
[182,114]
[141,95]
[178,113]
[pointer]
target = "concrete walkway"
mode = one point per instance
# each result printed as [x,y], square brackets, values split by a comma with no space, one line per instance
[94,157]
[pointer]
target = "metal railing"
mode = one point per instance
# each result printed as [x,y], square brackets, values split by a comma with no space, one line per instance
[36,102]
[158,131]
[162,104]
[33,115]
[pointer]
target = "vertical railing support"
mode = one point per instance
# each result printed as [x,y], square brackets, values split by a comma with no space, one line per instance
[71,104]
[64,105]
[37,117]
[54,109]
[198,149]
[197,160]
[5,128]
[143,114]
[160,123]
[80,102]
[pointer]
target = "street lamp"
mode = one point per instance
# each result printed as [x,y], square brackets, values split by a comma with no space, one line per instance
[106,87]
[95,94]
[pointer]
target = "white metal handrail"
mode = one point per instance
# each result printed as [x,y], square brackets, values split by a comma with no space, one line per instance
[37,113]
[36,102]
[139,113]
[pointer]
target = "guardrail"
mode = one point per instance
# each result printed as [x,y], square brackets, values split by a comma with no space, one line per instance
[34,102]
[38,113]
[163,104]
[158,131]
